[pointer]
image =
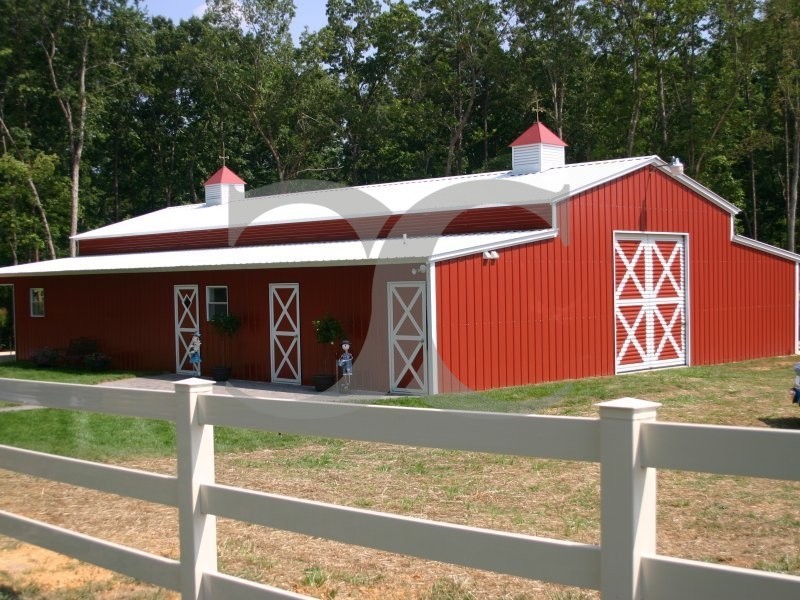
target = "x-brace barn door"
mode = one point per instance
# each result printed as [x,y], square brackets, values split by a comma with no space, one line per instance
[649,301]
[284,318]
[408,364]
[187,322]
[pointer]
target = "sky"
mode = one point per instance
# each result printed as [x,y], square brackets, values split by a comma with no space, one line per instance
[309,13]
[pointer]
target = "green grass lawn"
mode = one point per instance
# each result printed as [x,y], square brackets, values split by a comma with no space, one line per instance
[693,389]
[24,370]
[734,394]
[94,436]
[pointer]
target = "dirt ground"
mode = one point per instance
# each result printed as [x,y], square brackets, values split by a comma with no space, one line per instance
[32,572]
[732,521]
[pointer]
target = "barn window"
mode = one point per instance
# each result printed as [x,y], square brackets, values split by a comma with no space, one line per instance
[37,302]
[216,300]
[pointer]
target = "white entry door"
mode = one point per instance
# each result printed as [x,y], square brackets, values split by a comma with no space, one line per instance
[284,318]
[649,301]
[408,364]
[187,322]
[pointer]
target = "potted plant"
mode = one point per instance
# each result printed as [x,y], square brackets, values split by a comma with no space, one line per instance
[328,330]
[226,325]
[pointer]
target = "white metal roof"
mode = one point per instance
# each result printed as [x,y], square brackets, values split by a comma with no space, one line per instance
[424,195]
[383,251]
[428,195]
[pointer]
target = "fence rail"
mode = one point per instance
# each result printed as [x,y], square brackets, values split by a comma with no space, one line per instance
[626,440]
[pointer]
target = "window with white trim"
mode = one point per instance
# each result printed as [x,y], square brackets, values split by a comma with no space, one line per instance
[37,302]
[216,301]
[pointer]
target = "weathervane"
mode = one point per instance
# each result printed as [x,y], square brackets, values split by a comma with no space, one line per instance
[535,107]
[223,156]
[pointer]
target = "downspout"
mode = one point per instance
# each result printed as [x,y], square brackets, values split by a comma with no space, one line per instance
[433,348]
[797,308]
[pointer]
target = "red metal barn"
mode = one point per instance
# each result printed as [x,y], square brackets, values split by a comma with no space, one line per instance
[546,272]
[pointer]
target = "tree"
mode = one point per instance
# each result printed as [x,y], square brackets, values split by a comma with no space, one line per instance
[72,38]
[551,38]
[460,40]
[283,94]
[25,219]
[783,23]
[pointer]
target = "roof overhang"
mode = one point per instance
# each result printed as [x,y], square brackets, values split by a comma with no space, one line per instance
[402,250]
[769,249]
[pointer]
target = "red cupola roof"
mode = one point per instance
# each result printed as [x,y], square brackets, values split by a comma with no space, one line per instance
[224,175]
[538,134]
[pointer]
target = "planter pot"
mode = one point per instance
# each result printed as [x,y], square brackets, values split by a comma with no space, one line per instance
[221,373]
[323,382]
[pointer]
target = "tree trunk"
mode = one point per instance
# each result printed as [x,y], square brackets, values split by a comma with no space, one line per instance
[793,183]
[38,202]
[636,108]
[270,142]
[662,106]
[457,133]
[77,152]
[76,130]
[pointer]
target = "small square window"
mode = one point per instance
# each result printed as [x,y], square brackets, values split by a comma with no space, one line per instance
[37,302]
[216,301]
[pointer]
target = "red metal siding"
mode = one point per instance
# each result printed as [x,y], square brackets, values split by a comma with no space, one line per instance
[510,218]
[545,311]
[132,318]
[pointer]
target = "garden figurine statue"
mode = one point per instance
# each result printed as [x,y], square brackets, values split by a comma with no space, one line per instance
[194,353]
[345,362]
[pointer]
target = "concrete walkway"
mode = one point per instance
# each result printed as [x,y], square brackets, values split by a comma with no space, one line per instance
[236,387]
[255,389]
[18,408]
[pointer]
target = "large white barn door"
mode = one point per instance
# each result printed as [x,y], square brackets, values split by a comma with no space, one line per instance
[649,301]
[284,334]
[187,322]
[408,364]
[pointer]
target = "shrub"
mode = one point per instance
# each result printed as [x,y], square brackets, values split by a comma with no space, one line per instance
[47,357]
[328,329]
[78,349]
[97,361]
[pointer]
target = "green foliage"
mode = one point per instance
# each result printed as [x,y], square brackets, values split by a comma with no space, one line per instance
[96,361]
[328,329]
[382,93]
[449,589]
[226,324]
[315,576]
[47,357]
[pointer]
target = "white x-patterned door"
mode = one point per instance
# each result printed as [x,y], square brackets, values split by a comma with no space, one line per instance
[284,334]
[187,322]
[408,364]
[649,301]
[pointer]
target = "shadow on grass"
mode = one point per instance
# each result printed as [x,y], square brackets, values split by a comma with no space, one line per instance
[7,593]
[782,422]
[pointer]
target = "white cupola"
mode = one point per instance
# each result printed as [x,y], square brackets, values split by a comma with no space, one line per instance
[536,150]
[223,186]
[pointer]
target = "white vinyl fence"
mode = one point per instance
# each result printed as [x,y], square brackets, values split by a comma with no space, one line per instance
[626,440]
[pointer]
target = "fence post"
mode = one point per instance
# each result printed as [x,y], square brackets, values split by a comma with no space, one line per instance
[198,531]
[627,498]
